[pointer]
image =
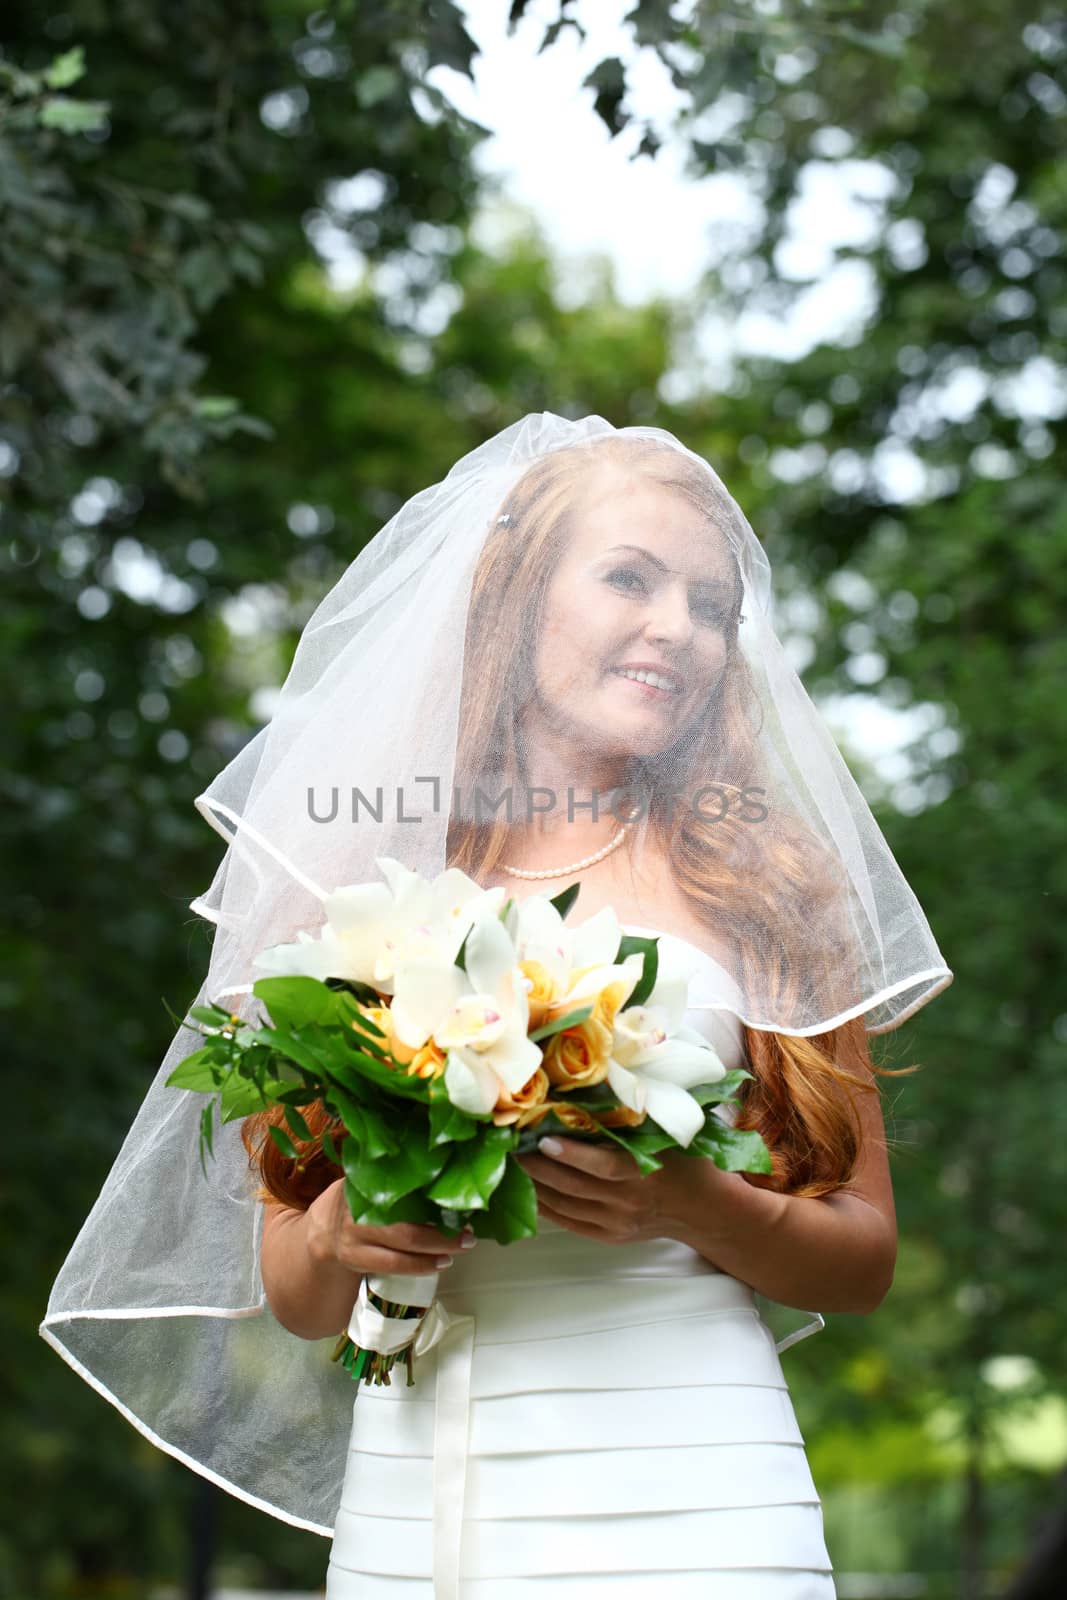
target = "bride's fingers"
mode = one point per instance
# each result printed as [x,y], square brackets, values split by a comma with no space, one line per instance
[379,1259]
[416,1237]
[606,1165]
[570,1214]
[574,1226]
[553,1175]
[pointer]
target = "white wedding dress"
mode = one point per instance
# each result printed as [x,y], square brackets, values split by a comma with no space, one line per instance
[616,1423]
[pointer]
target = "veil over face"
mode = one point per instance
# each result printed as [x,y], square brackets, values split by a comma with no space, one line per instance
[574,608]
[469,660]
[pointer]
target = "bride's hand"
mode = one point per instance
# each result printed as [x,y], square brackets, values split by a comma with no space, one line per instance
[397,1247]
[598,1190]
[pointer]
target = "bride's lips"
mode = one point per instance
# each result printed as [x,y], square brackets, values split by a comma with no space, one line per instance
[650,691]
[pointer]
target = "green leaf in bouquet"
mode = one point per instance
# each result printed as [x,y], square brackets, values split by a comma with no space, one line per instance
[640,1143]
[461,954]
[642,1150]
[724,1089]
[349,1109]
[512,1210]
[448,1124]
[473,1170]
[305,1052]
[296,1122]
[212,1015]
[569,1021]
[709,1094]
[200,1070]
[632,944]
[241,1097]
[284,1093]
[283,1141]
[305,1002]
[732,1149]
[393,1079]
[367,1025]
[378,1139]
[256,1054]
[565,899]
[357,1203]
[361,992]
[329,1148]
[207,1134]
[384,1178]
[409,1208]
[351,1115]
[648,1140]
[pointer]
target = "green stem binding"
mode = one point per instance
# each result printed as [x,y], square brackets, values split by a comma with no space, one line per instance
[371,1366]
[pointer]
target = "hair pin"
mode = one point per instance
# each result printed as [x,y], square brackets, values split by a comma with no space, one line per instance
[505,519]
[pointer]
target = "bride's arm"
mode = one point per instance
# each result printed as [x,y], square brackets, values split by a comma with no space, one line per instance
[310,1293]
[835,1253]
[313,1261]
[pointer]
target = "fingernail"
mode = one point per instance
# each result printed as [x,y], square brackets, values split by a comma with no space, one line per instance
[467,1241]
[443,1261]
[551,1147]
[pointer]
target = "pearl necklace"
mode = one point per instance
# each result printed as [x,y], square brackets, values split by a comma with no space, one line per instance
[575,866]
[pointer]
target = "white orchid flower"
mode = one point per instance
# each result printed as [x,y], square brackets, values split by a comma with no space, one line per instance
[307,958]
[656,1059]
[542,935]
[479,1016]
[371,926]
[418,916]
[624,976]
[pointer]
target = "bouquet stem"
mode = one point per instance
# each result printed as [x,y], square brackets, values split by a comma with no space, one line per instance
[373,1366]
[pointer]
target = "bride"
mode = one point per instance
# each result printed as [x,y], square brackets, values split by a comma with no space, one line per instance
[556,666]
[664,1450]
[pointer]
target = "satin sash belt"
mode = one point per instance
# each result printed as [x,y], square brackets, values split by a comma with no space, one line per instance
[372,1331]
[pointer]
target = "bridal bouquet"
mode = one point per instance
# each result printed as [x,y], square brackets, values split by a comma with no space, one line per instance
[444,1029]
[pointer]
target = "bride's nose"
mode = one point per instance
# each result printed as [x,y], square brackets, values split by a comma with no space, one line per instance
[668,616]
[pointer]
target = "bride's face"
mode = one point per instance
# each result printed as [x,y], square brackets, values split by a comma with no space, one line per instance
[644,585]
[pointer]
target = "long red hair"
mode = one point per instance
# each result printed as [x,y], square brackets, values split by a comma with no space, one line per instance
[773,889]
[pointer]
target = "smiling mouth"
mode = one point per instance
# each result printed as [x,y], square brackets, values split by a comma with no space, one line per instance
[654,684]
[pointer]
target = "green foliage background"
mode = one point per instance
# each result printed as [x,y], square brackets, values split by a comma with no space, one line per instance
[196,436]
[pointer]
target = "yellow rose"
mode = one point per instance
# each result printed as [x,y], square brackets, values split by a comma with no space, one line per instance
[525,1105]
[622,1117]
[578,1056]
[608,1001]
[573,1116]
[605,1002]
[545,990]
[401,1053]
[429,1061]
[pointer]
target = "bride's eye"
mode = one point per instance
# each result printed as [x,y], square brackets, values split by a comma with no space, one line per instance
[619,576]
[710,610]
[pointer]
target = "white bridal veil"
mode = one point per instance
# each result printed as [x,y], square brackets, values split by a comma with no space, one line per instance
[398,732]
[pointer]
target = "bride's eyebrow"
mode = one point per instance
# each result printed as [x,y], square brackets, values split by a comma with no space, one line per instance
[718,585]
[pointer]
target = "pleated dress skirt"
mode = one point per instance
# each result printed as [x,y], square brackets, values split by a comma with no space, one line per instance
[629,1433]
